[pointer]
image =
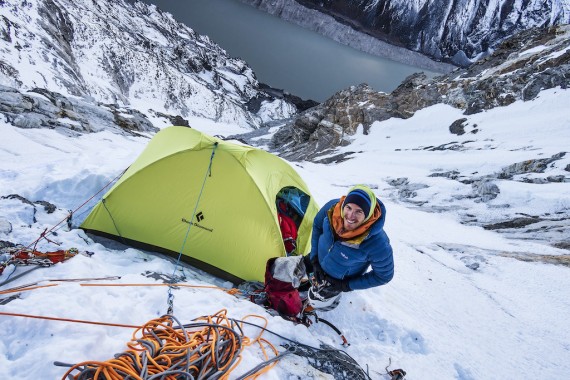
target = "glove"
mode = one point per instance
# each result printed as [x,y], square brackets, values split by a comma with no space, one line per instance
[338,285]
[318,272]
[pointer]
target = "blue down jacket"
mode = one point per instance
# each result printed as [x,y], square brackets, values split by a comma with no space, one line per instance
[342,260]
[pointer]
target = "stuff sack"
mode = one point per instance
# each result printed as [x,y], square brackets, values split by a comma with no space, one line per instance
[288,228]
[282,279]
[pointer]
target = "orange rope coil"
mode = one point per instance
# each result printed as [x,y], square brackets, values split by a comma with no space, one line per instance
[164,349]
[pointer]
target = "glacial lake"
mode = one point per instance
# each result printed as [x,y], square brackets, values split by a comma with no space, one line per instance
[284,55]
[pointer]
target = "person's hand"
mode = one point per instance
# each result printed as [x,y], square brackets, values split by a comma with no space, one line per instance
[338,285]
[318,272]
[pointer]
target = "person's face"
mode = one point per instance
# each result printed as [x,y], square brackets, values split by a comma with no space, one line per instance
[353,216]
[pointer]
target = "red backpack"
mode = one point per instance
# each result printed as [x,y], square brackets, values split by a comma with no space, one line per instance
[281,281]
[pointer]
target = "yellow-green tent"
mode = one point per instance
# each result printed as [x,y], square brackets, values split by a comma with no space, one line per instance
[214,201]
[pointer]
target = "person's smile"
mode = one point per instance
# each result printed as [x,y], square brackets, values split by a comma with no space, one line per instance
[353,216]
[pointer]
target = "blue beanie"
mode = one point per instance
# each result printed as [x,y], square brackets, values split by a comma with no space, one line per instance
[360,198]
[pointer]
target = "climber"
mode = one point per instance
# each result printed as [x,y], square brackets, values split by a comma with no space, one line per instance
[348,238]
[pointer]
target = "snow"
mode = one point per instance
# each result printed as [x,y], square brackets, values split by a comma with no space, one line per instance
[438,318]
[536,49]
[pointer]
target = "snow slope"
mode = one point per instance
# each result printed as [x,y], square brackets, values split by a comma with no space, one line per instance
[463,304]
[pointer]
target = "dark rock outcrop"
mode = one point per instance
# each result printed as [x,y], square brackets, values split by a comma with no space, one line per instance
[514,223]
[49,208]
[530,166]
[41,108]
[458,127]
[268,94]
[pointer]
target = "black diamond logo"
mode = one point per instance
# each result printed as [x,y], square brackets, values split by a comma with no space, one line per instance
[200,216]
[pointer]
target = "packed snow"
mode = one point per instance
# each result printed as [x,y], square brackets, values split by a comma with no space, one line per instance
[461,305]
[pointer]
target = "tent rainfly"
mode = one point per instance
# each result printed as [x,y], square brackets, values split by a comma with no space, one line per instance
[210,200]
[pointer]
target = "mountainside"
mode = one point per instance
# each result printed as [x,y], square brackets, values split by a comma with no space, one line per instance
[473,168]
[447,30]
[88,56]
